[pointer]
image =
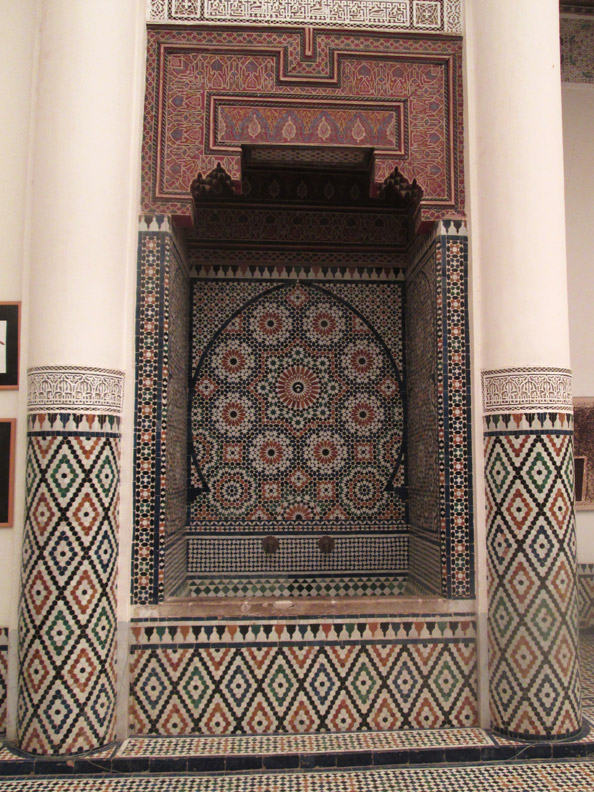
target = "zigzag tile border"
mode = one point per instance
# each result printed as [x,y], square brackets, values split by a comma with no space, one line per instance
[293,586]
[298,676]
[533,654]
[67,614]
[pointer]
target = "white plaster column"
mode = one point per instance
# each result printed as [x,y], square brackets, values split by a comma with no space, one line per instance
[83,198]
[515,172]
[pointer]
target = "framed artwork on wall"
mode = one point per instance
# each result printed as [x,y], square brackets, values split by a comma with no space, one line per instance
[7,446]
[10,331]
[583,450]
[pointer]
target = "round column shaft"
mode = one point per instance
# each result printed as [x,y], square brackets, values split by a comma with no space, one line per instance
[80,223]
[516,177]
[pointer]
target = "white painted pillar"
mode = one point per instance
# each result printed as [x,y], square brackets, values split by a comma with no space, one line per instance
[515,171]
[83,197]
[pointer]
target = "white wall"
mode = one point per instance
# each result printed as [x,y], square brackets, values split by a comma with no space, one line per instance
[18,38]
[578,140]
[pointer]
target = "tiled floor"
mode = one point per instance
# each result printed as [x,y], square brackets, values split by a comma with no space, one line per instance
[571,776]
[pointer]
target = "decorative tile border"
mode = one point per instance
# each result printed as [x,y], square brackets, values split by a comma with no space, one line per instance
[454,403]
[577,50]
[299,271]
[76,389]
[291,676]
[533,654]
[524,390]
[435,16]
[292,586]
[301,554]
[159,265]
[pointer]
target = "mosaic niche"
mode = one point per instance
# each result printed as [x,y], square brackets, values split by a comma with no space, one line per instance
[297,410]
[368,541]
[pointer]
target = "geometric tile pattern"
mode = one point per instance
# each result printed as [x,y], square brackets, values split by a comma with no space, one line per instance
[533,654]
[566,776]
[422,416]
[228,553]
[421,15]
[577,50]
[453,410]
[296,413]
[156,248]
[302,676]
[3,676]
[67,616]
[158,267]
[587,668]
[274,85]
[586,594]
[291,586]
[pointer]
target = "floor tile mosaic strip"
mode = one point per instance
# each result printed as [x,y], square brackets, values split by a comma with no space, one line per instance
[568,776]
[302,676]
[304,743]
[339,586]
[533,658]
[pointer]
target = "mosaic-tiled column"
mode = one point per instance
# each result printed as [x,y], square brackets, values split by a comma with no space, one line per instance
[67,615]
[533,625]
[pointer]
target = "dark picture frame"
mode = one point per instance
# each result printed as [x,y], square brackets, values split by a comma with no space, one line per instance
[7,456]
[10,336]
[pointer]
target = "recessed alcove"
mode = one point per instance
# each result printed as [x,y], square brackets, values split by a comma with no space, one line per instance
[302,460]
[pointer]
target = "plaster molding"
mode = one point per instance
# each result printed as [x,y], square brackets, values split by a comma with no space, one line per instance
[527,390]
[432,16]
[79,389]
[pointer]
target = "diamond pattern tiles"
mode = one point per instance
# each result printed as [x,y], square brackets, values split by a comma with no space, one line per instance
[586,594]
[301,676]
[67,612]
[533,663]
